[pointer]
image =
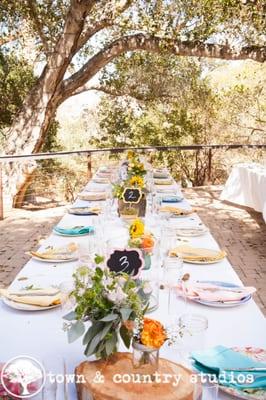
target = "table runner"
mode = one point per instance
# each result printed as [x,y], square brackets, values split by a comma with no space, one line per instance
[40,334]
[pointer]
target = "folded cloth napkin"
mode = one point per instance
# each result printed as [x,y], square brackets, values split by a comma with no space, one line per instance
[160,175]
[56,253]
[176,210]
[92,196]
[37,297]
[231,367]
[213,293]
[76,230]
[189,253]
[172,199]
[163,181]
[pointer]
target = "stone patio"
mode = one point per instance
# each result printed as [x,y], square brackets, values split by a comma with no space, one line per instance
[239,230]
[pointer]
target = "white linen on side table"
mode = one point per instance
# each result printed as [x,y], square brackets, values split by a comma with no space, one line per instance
[40,334]
[246,186]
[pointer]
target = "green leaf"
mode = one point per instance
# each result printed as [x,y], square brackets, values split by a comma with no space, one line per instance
[125,336]
[91,346]
[98,259]
[77,329]
[125,312]
[92,331]
[71,316]
[109,317]
[111,344]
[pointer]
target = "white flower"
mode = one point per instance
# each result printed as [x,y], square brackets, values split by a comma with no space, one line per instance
[121,281]
[117,296]
[147,289]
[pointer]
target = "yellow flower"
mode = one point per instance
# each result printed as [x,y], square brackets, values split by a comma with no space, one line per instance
[130,154]
[136,229]
[136,181]
[153,333]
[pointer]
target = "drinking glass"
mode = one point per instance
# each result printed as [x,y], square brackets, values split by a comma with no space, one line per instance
[172,272]
[67,302]
[205,391]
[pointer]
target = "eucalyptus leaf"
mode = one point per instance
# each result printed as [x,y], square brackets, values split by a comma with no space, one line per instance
[77,329]
[92,331]
[111,344]
[125,312]
[110,317]
[125,336]
[91,346]
[71,316]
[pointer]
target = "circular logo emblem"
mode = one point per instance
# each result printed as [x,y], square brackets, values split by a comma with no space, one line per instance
[23,377]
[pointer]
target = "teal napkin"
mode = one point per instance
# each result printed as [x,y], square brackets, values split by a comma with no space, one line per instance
[224,362]
[76,230]
[172,199]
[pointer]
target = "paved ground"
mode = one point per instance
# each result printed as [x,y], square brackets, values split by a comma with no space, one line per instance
[20,232]
[241,231]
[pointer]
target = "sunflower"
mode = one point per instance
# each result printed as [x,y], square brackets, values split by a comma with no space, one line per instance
[153,333]
[136,181]
[136,229]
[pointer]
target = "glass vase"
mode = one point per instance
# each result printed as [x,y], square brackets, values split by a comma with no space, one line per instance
[145,359]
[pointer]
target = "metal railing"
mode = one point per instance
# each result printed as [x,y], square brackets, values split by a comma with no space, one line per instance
[90,152]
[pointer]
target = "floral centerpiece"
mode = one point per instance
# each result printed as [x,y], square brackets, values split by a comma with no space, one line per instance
[148,339]
[130,210]
[111,303]
[142,240]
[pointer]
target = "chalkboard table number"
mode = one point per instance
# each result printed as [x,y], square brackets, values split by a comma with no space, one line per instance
[132,195]
[128,261]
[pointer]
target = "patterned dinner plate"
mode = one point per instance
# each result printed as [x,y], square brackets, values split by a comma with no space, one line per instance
[252,394]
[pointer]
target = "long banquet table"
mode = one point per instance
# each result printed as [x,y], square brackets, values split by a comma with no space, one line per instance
[40,334]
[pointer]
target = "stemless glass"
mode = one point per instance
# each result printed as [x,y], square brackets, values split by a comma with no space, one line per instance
[205,391]
[172,272]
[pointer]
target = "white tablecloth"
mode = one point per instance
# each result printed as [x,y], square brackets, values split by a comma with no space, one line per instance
[246,186]
[40,334]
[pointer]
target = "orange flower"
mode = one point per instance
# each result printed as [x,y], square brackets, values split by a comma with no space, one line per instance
[147,242]
[153,333]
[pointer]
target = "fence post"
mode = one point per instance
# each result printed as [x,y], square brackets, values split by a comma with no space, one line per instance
[89,162]
[209,164]
[1,195]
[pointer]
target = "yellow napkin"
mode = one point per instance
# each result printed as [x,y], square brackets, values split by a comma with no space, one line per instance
[39,297]
[189,253]
[56,253]
[163,181]
[176,211]
[92,196]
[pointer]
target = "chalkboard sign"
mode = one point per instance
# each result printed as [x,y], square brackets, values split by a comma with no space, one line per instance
[129,261]
[132,195]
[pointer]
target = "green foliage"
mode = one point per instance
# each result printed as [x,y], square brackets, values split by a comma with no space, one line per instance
[109,301]
[16,79]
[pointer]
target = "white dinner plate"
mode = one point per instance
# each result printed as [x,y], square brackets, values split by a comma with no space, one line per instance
[26,307]
[55,260]
[190,232]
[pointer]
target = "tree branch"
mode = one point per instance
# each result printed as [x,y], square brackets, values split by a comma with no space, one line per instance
[158,45]
[103,23]
[113,92]
[37,23]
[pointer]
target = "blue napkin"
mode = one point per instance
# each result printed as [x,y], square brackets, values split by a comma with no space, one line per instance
[172,199]
[76,230]
[224,362]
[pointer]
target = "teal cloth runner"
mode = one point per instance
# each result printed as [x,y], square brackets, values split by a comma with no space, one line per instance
[76,230]
[224,362]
